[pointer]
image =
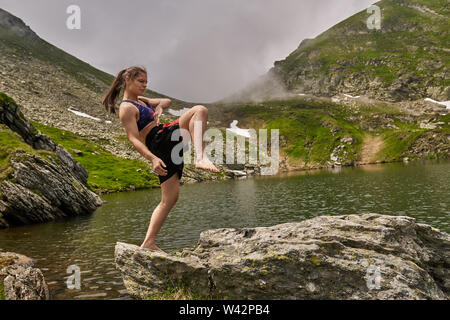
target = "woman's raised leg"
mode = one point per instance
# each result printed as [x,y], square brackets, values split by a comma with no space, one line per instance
[198,115]
[169,196]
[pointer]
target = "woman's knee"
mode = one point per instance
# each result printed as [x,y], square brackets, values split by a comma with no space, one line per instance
[200,108]
[169,202]
[170,198]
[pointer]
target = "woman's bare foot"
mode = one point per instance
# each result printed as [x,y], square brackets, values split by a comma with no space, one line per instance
[152,247]
[206,164]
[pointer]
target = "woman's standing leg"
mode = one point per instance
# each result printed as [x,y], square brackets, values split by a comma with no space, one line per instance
[169,196]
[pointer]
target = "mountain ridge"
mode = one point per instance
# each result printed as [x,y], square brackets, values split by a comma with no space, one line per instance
[407,59]
[46,81]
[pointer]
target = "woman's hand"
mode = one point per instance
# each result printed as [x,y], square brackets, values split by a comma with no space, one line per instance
[158,113]
[158,166]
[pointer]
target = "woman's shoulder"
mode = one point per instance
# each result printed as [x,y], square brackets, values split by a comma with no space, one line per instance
[146,103]
[126,103]
[126,107]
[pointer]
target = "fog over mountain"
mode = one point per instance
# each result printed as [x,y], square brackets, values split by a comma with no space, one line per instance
[196,50]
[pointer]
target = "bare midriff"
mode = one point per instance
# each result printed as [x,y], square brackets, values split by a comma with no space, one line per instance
[145,131]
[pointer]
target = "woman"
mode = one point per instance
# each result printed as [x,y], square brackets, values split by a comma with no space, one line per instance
[140,119]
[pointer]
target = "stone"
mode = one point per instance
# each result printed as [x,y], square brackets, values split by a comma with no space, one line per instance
[425,125]
[41,188]
[21,281]
[237,173]
[25,284]
[356,256]
[347,140]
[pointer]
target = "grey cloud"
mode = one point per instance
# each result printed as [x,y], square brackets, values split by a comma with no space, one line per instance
[194,50]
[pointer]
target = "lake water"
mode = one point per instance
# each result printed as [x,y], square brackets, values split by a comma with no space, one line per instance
[417,189]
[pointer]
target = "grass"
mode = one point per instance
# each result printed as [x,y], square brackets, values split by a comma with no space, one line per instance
[396,143]
[180,291]
[6,98]
[407,38]
[2,289]
[175,294]
[311,130]
[306,126]
[107,172]
[446,119]
[183,293]
[11,144]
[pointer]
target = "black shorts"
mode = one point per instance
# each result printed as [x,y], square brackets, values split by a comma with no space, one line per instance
[159,142]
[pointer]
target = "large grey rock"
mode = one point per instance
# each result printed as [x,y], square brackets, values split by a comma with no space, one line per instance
[359,256]
[40,187]
[11,115]
[43,190]
[20,280]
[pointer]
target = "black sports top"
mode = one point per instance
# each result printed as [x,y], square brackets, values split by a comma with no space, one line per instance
[145,114]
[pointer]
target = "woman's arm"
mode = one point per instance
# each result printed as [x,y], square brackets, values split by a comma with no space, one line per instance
[164,102]
[127,116]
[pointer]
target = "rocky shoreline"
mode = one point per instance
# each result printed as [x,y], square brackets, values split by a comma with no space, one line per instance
[356,256]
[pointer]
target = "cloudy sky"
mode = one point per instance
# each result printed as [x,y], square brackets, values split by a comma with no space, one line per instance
[194,50]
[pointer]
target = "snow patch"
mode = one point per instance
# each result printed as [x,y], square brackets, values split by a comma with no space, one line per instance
[78,113]
[240,132]
[444,103]
[349,96]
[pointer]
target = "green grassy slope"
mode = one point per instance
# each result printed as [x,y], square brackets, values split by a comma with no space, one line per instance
[407,59]
[107,173]
[311,130]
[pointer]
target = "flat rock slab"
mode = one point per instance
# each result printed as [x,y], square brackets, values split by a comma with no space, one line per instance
[356,256]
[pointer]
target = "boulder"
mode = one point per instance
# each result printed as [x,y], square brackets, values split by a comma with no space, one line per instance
[20,280]
[39,186]
[11,115]
[356,256]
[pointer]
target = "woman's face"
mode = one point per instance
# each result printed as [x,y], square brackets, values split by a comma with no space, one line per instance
[138,84]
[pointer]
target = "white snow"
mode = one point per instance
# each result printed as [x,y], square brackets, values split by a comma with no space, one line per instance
[301,94]
[78,113]
[349,96]
[444,103]
[241,132]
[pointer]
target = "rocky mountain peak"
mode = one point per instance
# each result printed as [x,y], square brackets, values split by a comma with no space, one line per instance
[16,26]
